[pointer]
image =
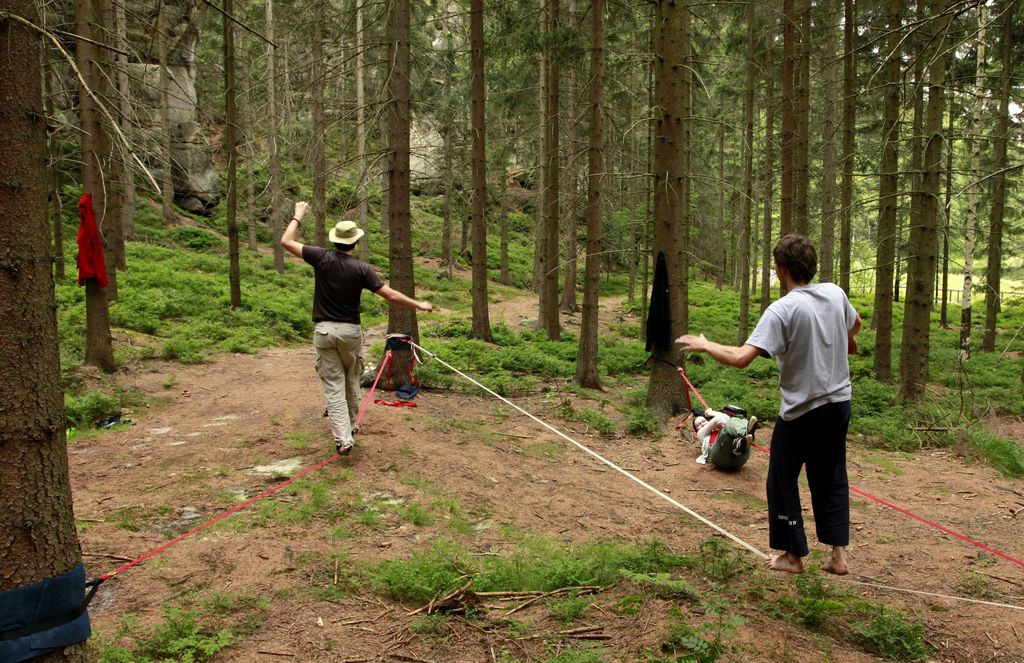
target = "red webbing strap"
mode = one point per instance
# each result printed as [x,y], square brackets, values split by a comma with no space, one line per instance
[690,385]
[369,396]
[910,514]
[160,549]
[234,510]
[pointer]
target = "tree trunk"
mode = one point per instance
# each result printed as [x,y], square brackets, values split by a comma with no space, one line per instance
[98,346]
[231,150]
[163,36]
[127,188]
[849,122]
[801,167]
[947,207]
[115,155]
[586,358]
[250,194]
[503,274]
[718,257]
[53,178]
[549,312]
[361,189]
[916,155]
[567,298]
[319,138]
[447,138]
[671,220]
[743,254]
[888,182]
[481,328]
[994,269]
[788,117]
[276,184]
[541,179]
[37,527]
[971,224]
[400,320]
[769,177]
[826,247]
[924,236]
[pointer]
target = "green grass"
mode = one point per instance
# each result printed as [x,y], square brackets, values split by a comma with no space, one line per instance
[536,564]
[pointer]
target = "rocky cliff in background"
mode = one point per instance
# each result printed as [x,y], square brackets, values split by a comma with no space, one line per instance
[196,183]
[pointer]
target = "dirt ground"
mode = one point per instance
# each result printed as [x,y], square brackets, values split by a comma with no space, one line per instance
[197,448]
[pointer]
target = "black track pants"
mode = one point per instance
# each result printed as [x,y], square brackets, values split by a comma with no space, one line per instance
[817,439]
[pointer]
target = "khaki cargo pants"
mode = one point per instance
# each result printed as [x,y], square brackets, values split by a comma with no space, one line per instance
[339,363]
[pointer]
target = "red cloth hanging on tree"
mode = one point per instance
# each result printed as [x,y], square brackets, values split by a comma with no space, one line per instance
[91,263]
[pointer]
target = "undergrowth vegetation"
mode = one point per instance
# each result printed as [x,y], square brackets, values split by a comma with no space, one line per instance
[173,305]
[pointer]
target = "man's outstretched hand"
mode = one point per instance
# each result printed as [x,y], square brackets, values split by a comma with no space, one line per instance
[691,343]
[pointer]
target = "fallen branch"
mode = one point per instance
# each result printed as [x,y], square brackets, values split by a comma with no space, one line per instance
[117,558]
[588,589]
[274,653]
[456,601]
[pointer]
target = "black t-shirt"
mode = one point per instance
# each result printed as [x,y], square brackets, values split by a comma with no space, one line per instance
[340,281]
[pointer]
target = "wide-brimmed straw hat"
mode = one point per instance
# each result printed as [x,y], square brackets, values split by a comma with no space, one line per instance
[345,232]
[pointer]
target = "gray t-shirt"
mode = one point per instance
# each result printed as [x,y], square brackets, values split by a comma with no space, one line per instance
[806,332]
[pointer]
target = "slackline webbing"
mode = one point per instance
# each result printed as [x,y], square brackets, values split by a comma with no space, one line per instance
[879,500]
[236,509]
[581,447]
[732,537]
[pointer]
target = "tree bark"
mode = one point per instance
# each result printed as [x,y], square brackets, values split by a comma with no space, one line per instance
[801,167]
[37,528]
[788,117]
[888,182]
[769,177]
[163,36]
[231,150]
[53,177]
[99,349]
[924,236]
[671,221]
[361,189]
[541,179]
[971,224]
[849,122]
[127,184]
[276,184]
[719,256]
[994,269]
[552,170]
[319,138]
[826,248]
[567,298]
[114,154]
[743,254]
[400,320]
[586,358]
[948,205]
[481,326]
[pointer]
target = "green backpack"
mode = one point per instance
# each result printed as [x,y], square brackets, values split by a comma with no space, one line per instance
[731,448]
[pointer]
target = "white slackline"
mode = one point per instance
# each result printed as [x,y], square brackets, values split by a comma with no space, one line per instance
[604,460]
[932,594]
[732,537]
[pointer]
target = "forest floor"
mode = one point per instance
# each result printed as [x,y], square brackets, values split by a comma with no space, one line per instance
[215,434]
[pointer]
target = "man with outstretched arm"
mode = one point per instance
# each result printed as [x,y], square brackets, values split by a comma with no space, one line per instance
[340,279]
[810,331]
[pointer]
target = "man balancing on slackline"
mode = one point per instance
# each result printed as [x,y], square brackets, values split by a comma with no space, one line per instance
[809,332]
[340,279]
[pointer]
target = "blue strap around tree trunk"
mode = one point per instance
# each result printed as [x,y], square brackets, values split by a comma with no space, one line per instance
[45,616]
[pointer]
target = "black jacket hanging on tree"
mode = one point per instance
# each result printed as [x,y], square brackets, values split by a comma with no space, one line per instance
[659,316]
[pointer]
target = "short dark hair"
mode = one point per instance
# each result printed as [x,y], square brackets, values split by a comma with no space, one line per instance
[796,253]
[344,247]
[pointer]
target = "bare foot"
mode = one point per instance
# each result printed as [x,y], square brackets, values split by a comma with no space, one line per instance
[787,562]
[837,564]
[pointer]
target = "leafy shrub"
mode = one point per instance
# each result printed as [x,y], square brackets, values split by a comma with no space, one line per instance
[85,410]
[891,635]
[196,239]
[641,422]
[596,420]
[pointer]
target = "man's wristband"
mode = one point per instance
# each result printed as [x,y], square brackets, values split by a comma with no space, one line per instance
[295,219]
